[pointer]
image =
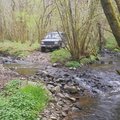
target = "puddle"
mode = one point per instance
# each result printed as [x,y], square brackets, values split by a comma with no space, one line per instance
[23,69]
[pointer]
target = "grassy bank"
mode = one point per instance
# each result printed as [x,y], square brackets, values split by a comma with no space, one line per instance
[17,48]
[63,56]
[22,102]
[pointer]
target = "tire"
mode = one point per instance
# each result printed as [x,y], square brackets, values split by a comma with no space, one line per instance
[43,49]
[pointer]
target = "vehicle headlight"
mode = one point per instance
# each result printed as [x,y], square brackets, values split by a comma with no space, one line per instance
[42,42]
[56,42]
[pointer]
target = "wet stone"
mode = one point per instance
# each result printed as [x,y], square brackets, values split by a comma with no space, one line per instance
[64,114]
[71,89]
[75,109]
[77,105]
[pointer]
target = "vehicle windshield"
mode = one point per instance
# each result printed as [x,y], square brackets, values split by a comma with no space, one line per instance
[53,36]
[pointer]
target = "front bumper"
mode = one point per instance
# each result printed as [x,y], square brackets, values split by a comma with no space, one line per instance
[50,46]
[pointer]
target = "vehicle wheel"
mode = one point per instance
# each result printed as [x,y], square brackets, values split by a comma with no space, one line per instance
[43,49]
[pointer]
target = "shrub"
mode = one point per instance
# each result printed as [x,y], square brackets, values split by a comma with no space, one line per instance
[72,64]
[87,60]
[24,103]
[61,55]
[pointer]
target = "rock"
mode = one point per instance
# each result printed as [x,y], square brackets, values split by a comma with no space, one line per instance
[118,71]
[60,95]
[77,105]
[74,109]
[71,89]
[53,117]
[72,68]
[56,65]
[70,98]
[61,103]
[56,89]
[44,118]
[64,114]
[102,62]
[60,80]
[110,62]
[65,108]
[45,72]
[50,87]
[66,75]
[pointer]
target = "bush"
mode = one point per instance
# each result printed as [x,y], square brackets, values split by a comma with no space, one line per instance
[72,64]
[88,60]
[24,103]
[61,56]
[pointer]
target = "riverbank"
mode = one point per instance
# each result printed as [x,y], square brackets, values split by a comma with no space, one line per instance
[17,49]
[77,93]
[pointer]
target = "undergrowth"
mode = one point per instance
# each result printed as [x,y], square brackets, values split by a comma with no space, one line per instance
[17,48]
[22,102]
[61,56]
[64,57]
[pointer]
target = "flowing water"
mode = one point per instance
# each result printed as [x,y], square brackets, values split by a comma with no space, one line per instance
[101,79]
[106,106]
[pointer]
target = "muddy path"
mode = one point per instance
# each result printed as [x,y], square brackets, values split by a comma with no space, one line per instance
[91,92]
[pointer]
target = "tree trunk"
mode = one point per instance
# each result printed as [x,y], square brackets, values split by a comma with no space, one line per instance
[112,18]
[118,4]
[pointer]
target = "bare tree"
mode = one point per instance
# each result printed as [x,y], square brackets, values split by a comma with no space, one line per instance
[79,25]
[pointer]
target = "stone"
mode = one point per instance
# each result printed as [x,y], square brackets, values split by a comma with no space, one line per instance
[71,89]
[60,80]
[66,75]
[56,65]
[102,62]
[64,114]
[60,95]
[70,98]
[44,118]
[110,62]
[60,103]
[45,72]
[53,117]
[56,89]
[77,105]
[50,87]
[65,108]
[74,109]
[118,71]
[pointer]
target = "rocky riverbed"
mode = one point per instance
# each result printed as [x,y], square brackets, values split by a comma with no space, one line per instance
[85,93]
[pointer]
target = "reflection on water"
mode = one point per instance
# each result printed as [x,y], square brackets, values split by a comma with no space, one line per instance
[87,105]
[23,69]
[26,71]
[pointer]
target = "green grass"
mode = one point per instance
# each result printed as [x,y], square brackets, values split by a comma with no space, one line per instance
[73,64]
[111,42]
[64,57]
[17,48]
[61,56]
[22,102]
